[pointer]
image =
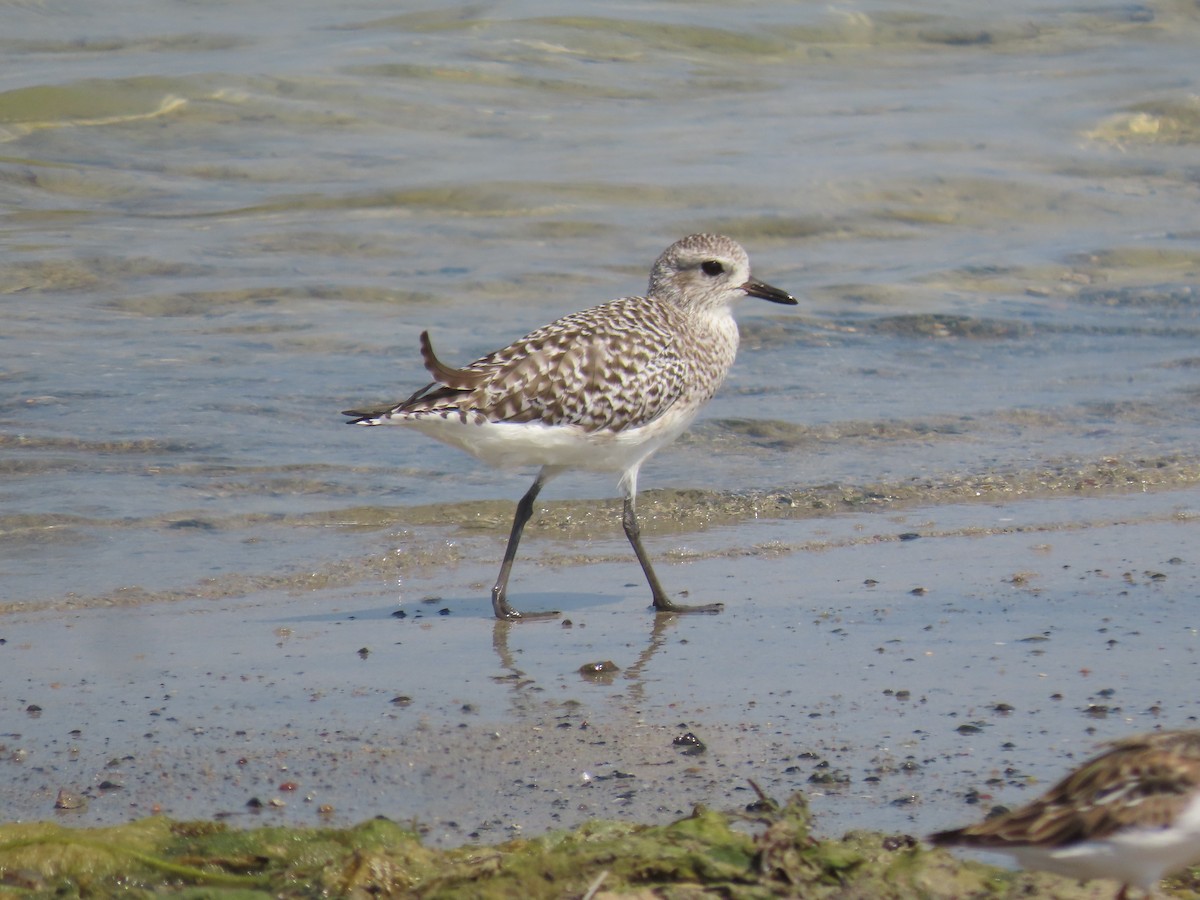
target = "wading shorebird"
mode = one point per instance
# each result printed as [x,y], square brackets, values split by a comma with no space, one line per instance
[599,390]
[1131,814]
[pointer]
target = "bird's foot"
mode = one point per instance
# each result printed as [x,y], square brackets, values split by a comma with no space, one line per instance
[515,616]
[662,606]
[506,613]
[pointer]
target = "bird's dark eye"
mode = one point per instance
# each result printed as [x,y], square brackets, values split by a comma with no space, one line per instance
[711,267]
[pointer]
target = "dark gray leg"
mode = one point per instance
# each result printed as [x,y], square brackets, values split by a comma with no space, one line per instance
[524,512]
[661,603]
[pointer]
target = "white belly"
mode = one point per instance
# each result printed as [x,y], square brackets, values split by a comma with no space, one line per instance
[511,444]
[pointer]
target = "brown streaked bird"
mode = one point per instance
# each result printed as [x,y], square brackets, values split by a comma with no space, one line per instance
[599,390]
[1131,814]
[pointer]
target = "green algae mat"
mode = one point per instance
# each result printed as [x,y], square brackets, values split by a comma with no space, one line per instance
[707,854]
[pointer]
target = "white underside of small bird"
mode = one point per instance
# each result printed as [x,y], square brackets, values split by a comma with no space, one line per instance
[1135,856]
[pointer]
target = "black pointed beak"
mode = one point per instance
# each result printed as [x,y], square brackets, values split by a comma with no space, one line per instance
[761,289]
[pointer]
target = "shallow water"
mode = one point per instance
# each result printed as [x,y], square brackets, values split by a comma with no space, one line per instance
[224,225]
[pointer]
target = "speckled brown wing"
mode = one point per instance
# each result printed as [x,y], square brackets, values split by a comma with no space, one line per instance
[1139,781]
[606,368]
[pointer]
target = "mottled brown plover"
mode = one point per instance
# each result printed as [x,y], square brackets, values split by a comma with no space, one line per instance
[1131,814]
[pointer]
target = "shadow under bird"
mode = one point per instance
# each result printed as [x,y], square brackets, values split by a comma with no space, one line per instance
[1131,814]
[599,390]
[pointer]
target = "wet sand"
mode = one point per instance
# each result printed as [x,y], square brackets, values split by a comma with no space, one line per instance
[904,669]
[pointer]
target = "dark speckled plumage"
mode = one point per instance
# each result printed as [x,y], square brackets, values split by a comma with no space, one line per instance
[612,367]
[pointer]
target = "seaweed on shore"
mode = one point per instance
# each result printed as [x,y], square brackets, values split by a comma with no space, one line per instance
[707,854]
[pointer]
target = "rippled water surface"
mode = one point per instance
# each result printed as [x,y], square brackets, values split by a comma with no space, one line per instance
[222,224]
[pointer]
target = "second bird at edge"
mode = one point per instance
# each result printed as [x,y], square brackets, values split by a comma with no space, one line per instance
[599,390]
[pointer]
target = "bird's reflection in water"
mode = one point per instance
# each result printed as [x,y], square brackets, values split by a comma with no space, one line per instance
[635,673]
